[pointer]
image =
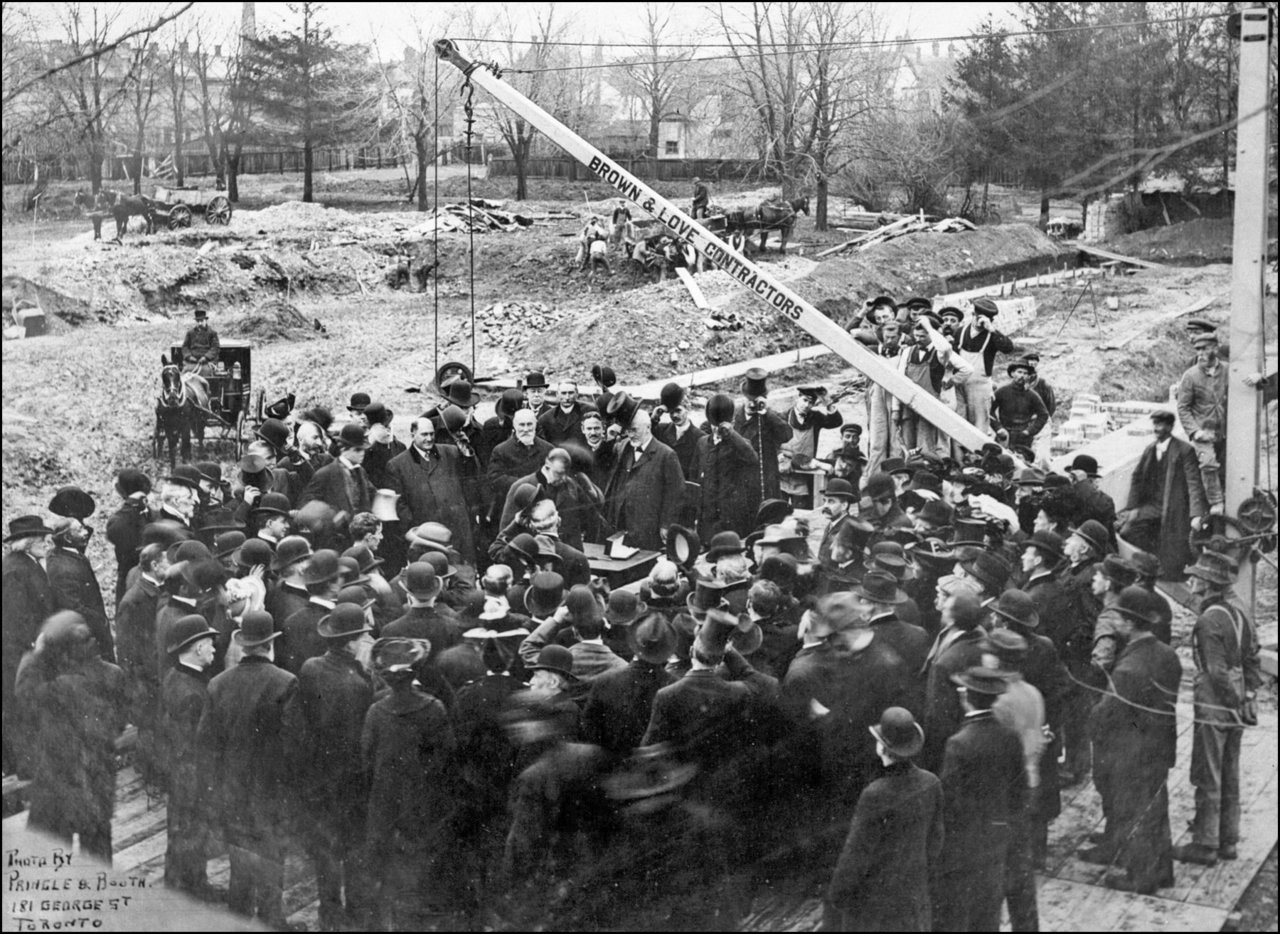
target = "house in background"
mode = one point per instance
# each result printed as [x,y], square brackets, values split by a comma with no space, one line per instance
[922,76]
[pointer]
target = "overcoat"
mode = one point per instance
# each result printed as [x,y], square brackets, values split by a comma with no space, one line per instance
[728,473]
[75,587]
[430,488]
[766,433]
[619,705]
[124,532]
[1170,494]
[408,744]
[334,694]
[329,485]
[644,493]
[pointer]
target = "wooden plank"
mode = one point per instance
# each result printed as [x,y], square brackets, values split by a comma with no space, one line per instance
[1156,322]
[687,278]
[1107,254]
[865,238]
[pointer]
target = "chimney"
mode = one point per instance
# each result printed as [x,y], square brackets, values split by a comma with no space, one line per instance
[935,49]
[217,51]
[248,21]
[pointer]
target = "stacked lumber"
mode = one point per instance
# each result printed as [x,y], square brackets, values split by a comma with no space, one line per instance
[911,224]
[478,216]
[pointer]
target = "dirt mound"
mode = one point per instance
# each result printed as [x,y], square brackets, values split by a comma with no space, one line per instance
[1192,243]
[271,321]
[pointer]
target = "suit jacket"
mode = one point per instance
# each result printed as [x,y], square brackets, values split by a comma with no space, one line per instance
[984,786]
[249,730]
[28,602]
[75,587]
[766,434]
[911,642]
[334,694]
[685,446]
[556,426]
[408,746]
[644,493]
[430,488]
[1128,737]
[729,473]
[881,881]
[620,704]
[329,485]
[300,640]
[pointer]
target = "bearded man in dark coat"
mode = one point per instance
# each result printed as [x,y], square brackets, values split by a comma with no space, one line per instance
[520,455]
[646,489]
[428,479]
[1166,499]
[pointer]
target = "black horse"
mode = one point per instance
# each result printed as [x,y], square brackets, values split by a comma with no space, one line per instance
[120,207]
[180,410]
[779,215]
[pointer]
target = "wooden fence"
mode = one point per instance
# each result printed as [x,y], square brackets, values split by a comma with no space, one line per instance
[662,170]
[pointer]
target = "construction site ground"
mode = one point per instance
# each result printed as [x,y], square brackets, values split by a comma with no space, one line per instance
[79,402]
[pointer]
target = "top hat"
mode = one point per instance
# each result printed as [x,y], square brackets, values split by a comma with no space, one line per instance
[545,592]
[130,481]
[622,409]
[840,489]
[1094,534]
[1022,364]
[201,314]
[1212,567]
[187,630]
[322,568]
[71,502]
[683,545]
[985,307]
[461,393]
[275,433]
[982,680]
[509,403]
[754,382]
[989,569]
[1017,606]
[719,409]
[184,475]
[254,551]
[359,402]
[289,551]
[554,658]
[880,587]
[652,638]
[951,312]
[1047,543]
[343,621]
[354,435]
[624,608]
[899,733]
[970,532]
[605,376]
[256,628]
[724,543]
[535,380]
[671,396]
[393,654]
[707,595]
[1086,463]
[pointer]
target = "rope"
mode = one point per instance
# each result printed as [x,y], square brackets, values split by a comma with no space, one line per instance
[435,235]
[1110,691]
[468,108]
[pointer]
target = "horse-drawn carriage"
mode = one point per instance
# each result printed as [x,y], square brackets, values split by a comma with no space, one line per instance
[222,400]
[175,206]
[735,226]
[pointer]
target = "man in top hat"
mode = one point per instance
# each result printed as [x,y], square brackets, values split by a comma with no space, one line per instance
[71,578]
[1202,409]
[924,362]
[28,602]
[881,881]
[647,486]
[1017,408]
[1225,647]
[428,480]
[334,694]
[201,347]
[763,429]
[301,639]
[1166,498]
[727,468]
[250,725]
[183,699]
[673,427]
[1135,732]
[977,343]
[563,422]
[811,413]
[343,485]
[984,788]
[124,528]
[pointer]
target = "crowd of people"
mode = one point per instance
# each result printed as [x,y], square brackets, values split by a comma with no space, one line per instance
[401,660]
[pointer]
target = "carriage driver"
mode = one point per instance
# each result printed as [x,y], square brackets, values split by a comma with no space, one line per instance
[200,348]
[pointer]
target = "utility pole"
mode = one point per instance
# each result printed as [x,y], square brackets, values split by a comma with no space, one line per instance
[1248,263]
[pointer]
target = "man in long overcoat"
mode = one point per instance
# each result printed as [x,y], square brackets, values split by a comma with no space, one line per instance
[727,468]
[124,528]
[75,586]
[646,488]
[429,480]
[618,708]
[765,430]
[136,650]
[28,602]
[1166,497]
[1135,735]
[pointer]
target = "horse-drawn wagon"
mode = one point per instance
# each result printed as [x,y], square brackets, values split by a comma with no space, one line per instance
[177,205]
[221,400]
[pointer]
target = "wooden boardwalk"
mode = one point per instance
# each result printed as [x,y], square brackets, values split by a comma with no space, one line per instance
[1071,898]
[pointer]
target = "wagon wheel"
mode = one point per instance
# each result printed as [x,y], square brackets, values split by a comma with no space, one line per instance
[218,211]
[179,216]
[451,371]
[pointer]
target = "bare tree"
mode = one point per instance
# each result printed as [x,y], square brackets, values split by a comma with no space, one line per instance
[144,68]
[177,74]
[653,73]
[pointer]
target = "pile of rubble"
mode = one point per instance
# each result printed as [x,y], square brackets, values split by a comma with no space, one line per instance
[508,325]
[478,216]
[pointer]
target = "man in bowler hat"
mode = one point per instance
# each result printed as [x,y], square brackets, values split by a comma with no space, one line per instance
[763,429]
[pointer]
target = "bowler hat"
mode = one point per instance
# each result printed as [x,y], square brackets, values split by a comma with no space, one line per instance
[707,595]
[879,486]
[353,435]
[1119,571]
[624,608]
[130,481]
[1047,543]
[256,552]
[184,475]
[724,543]
[1094,534]
[936,513]
[1086,463]
[1018,607]
[893,465]
[840,489]
[276,433]
[772,511]
[276,504]
[683,545]
[719,409]
[204,574]
[526,547]
[191,550]
[672,396]
[982,680]
[322,568]
[421,581]
[256,628]
[220,520]
[555,658]
[754,382]
[605,376]
[989,569]
[546,591]
[453,418]
[394,654]
[652,638]
[359,402]
[72,503]
[349,571]
[343,621]
[986,307]
[622,409]
[187,630]
[461,393]
[378,414]
[225,543]
[365,558]
[880,587]
[899,733]
[1135,602]
[535,380]
[289,551]
[1211,567]
[439,562]
[211,471]
[783,569]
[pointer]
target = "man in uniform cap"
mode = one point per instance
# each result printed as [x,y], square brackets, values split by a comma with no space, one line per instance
[726,468]
[978,342]
[763,429]
[811,413]
[1202,409]
[677,431]
[1018,409]
[1166,498]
